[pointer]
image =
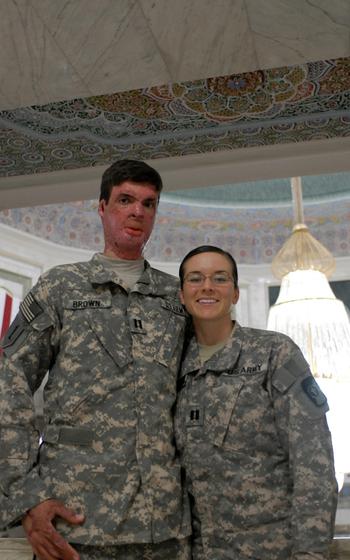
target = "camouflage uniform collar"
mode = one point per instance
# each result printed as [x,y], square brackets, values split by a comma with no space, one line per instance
[222,360]
[100,274]
[158,283]
[150,281]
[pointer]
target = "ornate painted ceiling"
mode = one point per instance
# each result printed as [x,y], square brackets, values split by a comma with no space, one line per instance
[299,103]
[282,105]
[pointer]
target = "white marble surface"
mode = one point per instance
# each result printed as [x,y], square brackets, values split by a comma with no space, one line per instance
[289,32]
[109,42]
[33,68]
[201,38]
[53,50]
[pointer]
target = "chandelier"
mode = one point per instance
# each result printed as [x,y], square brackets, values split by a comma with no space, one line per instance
[308,311]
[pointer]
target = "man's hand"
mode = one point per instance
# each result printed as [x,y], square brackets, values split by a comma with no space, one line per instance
[46,542]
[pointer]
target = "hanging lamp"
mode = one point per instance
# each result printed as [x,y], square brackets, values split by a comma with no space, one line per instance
[308,311]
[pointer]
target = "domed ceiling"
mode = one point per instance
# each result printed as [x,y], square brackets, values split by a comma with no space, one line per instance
[250,219]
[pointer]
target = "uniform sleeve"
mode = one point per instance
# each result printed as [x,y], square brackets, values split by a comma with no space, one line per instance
[28,350]
[300,409]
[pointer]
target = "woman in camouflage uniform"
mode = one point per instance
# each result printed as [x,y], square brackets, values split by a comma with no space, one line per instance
[251,430]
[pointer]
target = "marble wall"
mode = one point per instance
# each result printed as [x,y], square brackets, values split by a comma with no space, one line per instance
[52,51]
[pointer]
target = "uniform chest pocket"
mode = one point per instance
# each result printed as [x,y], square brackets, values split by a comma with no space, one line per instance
[222,394]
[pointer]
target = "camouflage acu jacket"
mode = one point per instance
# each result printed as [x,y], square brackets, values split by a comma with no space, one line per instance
[108,448]
[253,436]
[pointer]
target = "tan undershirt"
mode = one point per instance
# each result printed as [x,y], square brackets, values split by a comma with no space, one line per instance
[206,352]
[129,271]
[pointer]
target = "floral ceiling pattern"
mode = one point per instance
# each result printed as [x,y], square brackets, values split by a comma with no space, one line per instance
[283,105]
[290,104]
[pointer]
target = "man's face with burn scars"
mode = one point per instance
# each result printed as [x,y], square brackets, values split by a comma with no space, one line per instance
[128,219]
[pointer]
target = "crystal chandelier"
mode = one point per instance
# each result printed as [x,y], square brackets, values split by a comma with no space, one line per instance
[308,311]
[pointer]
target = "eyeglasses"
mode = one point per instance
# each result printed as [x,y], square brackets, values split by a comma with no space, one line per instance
[217,278]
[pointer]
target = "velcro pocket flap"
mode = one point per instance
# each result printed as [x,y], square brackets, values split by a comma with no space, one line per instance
[285,376]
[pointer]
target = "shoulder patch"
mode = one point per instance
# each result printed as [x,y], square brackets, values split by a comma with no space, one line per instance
[30,308]
[312,390]
[15,336]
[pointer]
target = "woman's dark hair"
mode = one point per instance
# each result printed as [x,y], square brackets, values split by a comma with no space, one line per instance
[128,170]
[209,249]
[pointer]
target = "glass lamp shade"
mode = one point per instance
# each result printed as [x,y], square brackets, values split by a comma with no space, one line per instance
[302,251]
[308,311]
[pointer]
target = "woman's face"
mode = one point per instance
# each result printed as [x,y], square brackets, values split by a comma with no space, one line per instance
[208,290]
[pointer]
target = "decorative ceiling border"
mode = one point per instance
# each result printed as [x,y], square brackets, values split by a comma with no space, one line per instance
[283,105]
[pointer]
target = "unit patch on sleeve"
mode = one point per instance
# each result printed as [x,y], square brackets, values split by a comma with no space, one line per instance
[312,390]
[15,336]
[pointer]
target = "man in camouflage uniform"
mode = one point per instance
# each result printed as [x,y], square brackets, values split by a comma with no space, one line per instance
[110,334]
[253,437]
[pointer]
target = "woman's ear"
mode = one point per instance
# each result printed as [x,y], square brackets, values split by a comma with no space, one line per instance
[235,296]
[181,297]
